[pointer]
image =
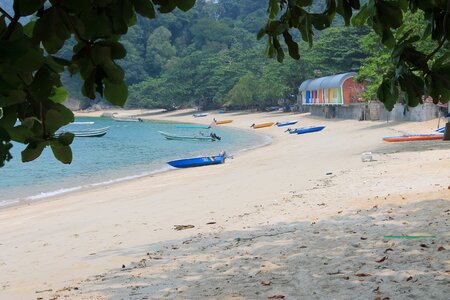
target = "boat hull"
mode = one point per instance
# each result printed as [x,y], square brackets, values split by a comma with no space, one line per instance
[186,138]
[286,123]
[304,130]
[127,119]
[199,115]
[262,125]
[414,137]
[223,122]
[197,162]
[86,133]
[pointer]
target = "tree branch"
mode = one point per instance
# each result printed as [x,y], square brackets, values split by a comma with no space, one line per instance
[6,14]
[11,27]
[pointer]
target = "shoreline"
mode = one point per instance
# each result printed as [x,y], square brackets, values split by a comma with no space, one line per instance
[303,216]
[53,194]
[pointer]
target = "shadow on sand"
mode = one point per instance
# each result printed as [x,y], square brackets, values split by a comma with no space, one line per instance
[343,257]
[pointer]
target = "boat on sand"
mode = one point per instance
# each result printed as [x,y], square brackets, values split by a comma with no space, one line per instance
[222,122]
[413,137]
[198,161]
[262,125]
[281,124]
[308,129]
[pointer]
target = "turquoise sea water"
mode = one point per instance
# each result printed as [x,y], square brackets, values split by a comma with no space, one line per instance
[128,150]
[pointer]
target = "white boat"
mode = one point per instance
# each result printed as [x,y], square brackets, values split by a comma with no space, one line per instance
[82,123]
[210,138]
[129,119]
[98,132]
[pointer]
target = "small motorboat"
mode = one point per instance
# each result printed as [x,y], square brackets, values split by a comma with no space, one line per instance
[81,123]
[129,119]
[413,137]
[308,129]
[193,126]
[222,122]
[199,115]
[85,133]
[281,124]
[262,125]
[208,138]
[198,161]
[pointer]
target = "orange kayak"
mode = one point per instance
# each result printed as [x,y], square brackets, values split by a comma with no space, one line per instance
[223,122]
[414,137]
[256,126]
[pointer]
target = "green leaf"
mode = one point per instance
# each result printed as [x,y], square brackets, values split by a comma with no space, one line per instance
[344,8]
[62,153]
[28,28]
[320,21]
[27,7]
[66,138]
[116,93]
[386,96]
[56,118]
[185,5]
[32,151]
[13,97]
[59,95]
[167,6]
[292,46]
[273,9]
[20,133]
[31,61]
[388,38]
[144,8]
[360,18]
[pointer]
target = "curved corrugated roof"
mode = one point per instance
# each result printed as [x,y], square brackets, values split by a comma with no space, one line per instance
[327,82]
[304,85]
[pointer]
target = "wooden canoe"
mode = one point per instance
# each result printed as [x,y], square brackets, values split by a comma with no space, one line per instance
[223,122]
[262,125]
[414,137]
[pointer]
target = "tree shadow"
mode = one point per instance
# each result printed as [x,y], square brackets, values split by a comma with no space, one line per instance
[342,257]
[415,146]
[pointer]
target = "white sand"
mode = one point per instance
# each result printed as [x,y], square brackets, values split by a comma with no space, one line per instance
[301,218]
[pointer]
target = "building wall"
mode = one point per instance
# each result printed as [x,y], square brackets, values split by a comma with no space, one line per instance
[352,90]
[374,111]
[347,93]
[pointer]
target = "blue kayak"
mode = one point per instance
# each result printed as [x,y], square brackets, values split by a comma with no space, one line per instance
[303,130]
[280,124]
[193,126]
[198,161]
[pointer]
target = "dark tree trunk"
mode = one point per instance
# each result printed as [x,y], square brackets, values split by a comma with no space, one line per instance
[447,132]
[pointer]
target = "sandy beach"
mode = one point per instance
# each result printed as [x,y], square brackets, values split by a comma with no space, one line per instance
[301,218]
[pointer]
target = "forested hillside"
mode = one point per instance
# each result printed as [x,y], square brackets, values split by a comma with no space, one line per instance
[210,57]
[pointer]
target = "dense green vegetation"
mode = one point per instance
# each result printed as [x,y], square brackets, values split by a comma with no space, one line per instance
[210,57]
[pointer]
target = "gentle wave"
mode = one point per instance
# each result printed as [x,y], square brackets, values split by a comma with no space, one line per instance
[58,192]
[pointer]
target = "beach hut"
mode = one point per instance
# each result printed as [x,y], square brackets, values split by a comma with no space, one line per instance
[340,89]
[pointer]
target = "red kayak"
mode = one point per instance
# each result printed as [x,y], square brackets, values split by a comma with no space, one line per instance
[413,137]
